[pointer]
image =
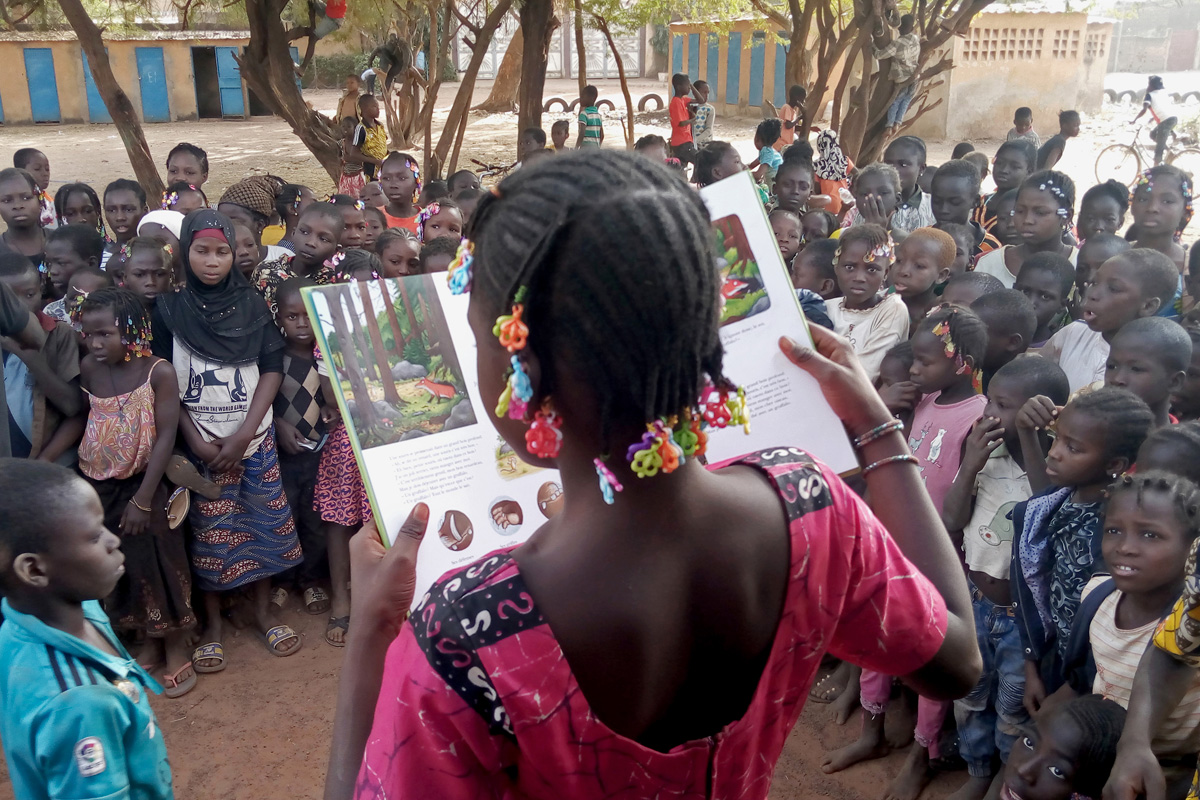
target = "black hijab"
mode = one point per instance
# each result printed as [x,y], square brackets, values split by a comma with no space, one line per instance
[228,323]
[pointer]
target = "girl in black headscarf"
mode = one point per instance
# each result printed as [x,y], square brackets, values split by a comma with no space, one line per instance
[219,334]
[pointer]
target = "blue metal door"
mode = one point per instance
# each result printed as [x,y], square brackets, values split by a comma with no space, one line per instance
[296,60]
[97,111]
[43,86]
[229,81]
[152,78]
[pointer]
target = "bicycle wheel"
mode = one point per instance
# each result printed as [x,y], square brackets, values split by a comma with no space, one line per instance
[1188,160]
[1118,161]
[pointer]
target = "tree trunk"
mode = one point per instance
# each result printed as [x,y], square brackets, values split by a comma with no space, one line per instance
[397,332]
[462,100]
[580,50]
[503,97]
[123,114]
[438,331]
[266,66]
[353,371]
[612,45]
[538,23]
[372,323]
[360,341]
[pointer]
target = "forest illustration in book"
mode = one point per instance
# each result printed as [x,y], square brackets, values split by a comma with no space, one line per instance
[393,359]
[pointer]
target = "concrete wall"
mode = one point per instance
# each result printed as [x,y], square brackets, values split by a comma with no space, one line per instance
[69,75]
[1009,60]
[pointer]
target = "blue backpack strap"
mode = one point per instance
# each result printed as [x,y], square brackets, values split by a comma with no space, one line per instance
[1079,668]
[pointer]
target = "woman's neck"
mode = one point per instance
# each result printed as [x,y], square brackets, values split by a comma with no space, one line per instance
[961,389]
[1135,609]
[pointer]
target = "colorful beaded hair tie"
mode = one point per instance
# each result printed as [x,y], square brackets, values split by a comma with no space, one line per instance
[510,329]
[953,351]
[423,217]
[1059,194]
[458,275]
[169,199]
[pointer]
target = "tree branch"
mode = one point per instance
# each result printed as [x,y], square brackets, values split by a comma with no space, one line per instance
[473,28]
[771,14]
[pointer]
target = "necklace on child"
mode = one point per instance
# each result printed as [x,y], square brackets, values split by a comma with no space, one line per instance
[117,395]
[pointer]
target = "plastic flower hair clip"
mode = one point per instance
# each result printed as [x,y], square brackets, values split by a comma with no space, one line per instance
[608,481]
[458,276]
[713,408]
[689,435]
[509,328]
[880,251]
[942,331]
[514,400]
[423,217]
[169,199]
[334,260]
[644,457]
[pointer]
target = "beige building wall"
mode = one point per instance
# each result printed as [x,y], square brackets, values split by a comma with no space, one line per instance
[122,55]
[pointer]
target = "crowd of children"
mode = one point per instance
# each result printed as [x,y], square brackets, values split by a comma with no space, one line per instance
[1036,349]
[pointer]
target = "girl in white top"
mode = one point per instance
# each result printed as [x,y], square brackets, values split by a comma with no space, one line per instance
[1042,215]
[1151,523]
[871,320]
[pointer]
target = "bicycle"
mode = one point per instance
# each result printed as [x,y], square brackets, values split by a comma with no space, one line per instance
[1122,160]
[491,170]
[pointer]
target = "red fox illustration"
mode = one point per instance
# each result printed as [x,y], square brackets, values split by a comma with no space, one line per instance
[442,391]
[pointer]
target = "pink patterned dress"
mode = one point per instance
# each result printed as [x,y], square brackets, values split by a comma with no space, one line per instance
[478,700]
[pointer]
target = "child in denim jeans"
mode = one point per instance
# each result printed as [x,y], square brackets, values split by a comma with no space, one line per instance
[990,482]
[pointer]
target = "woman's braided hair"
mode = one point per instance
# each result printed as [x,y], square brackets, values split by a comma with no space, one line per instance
[1126,418]
[640,321]
[131,317]
[1100,722]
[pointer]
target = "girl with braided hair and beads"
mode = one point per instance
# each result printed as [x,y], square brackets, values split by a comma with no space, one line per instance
[442,218]
[1042,213]
[690,606]
[1161,206]
[400,178]
[871,319]
[948,349]
[127,442]
[1151,525]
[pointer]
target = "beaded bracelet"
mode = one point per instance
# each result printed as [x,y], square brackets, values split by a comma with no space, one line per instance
[883,462]
[133,502]
[878,432]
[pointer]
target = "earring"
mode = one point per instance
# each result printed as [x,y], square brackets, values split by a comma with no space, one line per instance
[544,437]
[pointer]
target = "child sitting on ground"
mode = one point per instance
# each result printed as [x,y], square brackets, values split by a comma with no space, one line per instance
[1102,209]
[1058,530]
[907,155]
[1022,129]
[69,249]
[1097,249]
[43,383]
[1042,214]
[872,320]
[1135,284]
[1052,150]
[1150,357]
[989,484]
[1011,323]
[65,674]
[1046,280]
[922,261]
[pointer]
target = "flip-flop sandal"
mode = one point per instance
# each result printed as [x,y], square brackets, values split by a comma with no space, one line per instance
[173,687]
[337,622]
[182,472]
[279,597]
[213,651]
[316,600]
[278,635]
[823,691]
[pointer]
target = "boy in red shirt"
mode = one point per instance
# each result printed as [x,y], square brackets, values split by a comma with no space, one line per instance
[682,116]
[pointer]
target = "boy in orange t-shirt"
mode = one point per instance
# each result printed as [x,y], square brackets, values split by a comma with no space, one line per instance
[791,114]
[682,116]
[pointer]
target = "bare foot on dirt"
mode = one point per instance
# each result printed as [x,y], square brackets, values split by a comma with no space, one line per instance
[847,702]
[831,686]
[914,776]
[869,745]
[903,713]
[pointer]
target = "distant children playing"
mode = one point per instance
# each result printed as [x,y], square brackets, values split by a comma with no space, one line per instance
[1052,150]
[1022,129]
[591,124]
[683,117]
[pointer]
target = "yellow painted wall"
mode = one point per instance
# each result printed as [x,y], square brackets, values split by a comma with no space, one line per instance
[69,76]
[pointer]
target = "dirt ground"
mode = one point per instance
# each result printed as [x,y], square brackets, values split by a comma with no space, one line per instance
[261,729]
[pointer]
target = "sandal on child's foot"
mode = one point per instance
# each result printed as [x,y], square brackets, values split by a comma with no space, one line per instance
[335,623]
[279,597]
[316,600]
[174,687]
[213,651]
[277,636]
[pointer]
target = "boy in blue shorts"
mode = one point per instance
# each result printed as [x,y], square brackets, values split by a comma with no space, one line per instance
[75,717]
